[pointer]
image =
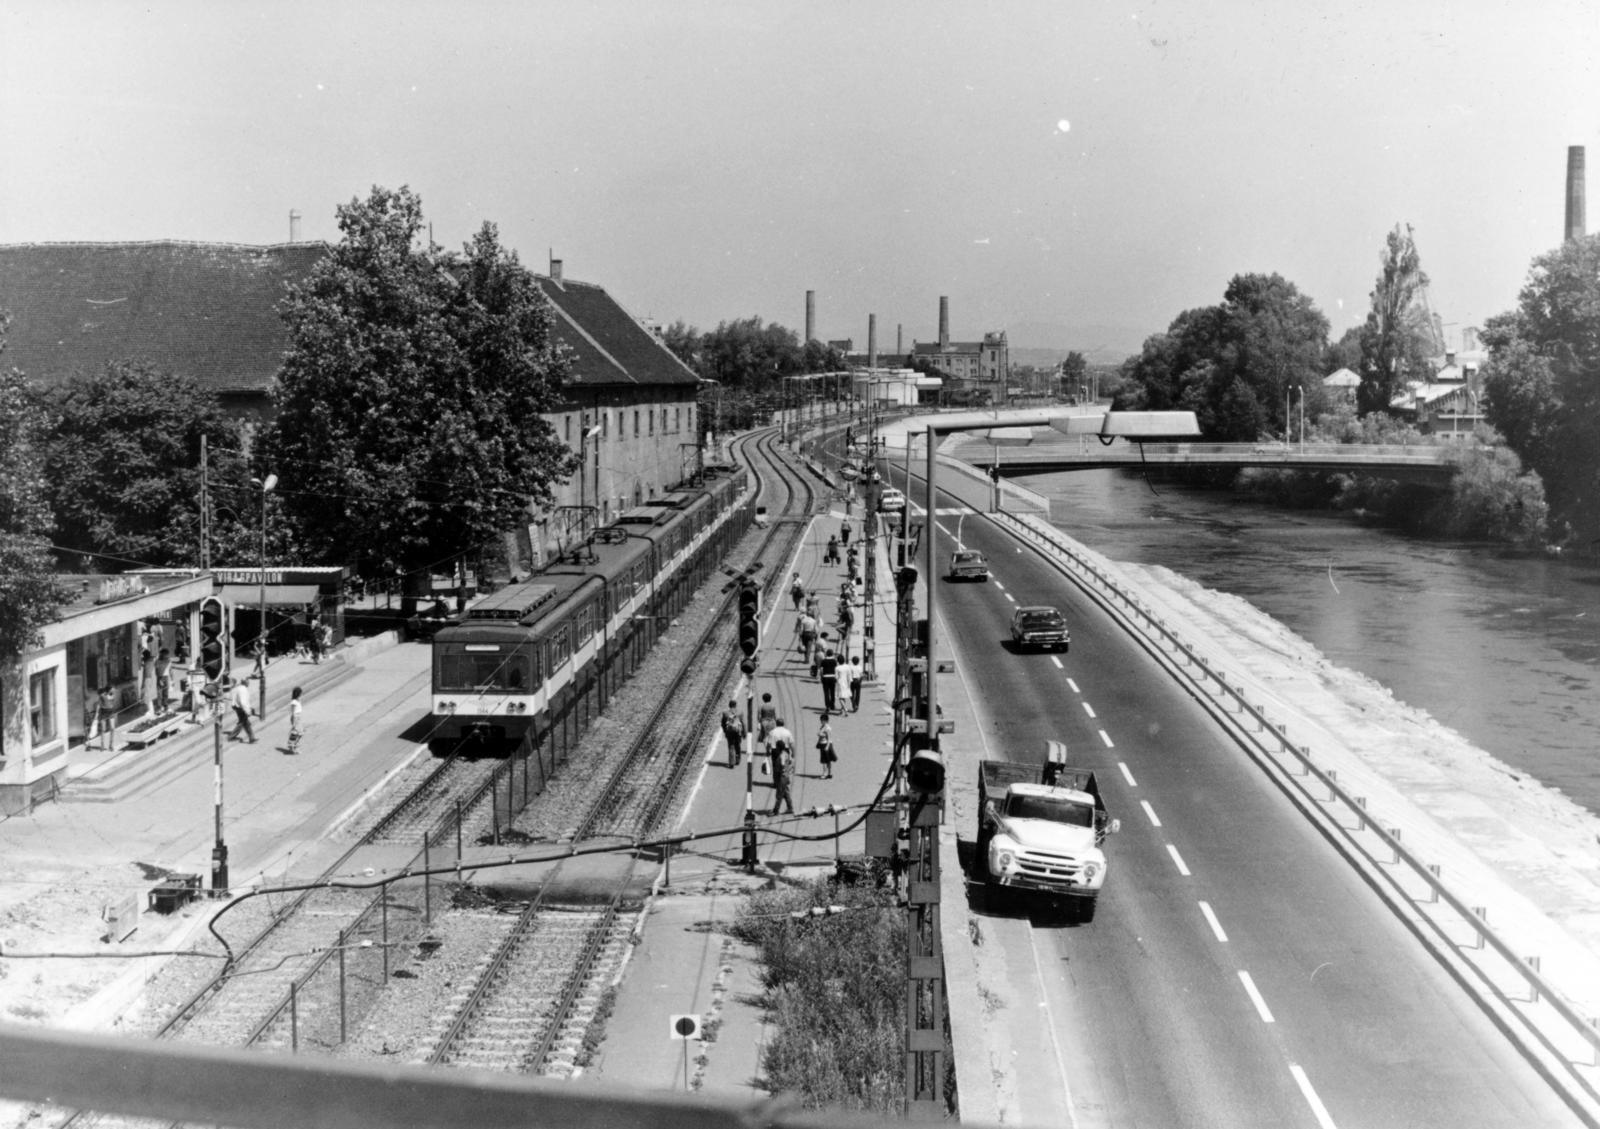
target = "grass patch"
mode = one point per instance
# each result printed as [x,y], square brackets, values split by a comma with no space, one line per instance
[836,987]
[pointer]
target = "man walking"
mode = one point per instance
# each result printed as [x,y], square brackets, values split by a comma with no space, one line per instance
[241,710]
[856,672]
[829,670]
[733,732]
[780,752]
[797,592]
[806,628]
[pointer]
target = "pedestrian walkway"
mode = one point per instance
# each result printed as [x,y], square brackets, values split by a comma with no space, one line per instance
[683,964]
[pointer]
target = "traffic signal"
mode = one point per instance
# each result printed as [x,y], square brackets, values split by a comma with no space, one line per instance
[749,617]
[925,768]
[213,639]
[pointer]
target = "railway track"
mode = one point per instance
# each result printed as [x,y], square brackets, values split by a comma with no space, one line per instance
[324,955]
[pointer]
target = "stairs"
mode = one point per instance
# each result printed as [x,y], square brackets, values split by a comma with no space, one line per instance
[136,772]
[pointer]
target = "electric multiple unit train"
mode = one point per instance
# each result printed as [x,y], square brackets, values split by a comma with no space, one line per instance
[513,666]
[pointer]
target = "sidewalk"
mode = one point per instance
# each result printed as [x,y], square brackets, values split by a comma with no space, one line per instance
[683,964]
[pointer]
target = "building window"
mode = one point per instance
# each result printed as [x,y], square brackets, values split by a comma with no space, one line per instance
[663,419]
[605,426]
[636,423]
[677,419]
[568,418]
[42,706]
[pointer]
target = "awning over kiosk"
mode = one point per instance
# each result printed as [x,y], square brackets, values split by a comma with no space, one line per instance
[278,595]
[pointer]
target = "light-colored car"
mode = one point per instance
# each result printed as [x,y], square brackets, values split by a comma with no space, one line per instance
[968,564]
[891,501]
[1040,626]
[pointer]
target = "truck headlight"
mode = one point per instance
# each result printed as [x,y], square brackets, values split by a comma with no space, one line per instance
[1090,869]
[1003,860]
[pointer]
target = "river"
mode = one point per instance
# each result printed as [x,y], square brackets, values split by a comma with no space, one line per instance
[1501,646]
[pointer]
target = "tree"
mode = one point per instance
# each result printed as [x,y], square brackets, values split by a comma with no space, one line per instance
[123,463]
[1542,382]
[1235,365]
[30,593]
[411,401]
[1397,342]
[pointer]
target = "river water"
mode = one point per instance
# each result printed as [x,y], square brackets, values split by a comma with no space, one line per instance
[1501,646]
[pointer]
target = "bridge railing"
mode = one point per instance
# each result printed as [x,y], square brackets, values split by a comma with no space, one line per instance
[1551,1018]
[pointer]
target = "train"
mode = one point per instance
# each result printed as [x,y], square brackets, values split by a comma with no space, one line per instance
[521,664]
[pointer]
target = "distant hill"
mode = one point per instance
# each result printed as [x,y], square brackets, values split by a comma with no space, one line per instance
[1046,343]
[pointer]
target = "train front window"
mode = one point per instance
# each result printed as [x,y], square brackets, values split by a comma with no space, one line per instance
[459,670]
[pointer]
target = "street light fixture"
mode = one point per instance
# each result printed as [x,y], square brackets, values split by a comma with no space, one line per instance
[261,631]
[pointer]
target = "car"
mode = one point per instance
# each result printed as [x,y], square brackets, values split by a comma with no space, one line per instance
[1040,626]
[891,501]
[968,564]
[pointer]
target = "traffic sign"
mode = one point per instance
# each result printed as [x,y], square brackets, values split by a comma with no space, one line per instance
[685,1027]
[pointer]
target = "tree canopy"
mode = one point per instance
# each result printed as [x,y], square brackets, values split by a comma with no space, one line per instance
[1542,382]
[1237,364]
[1397,341]
[410,425]
[30,594]
[122,459]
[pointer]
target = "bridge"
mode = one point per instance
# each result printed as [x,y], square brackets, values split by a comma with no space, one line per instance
[1043,451]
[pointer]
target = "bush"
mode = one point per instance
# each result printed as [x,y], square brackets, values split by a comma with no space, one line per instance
[836,986]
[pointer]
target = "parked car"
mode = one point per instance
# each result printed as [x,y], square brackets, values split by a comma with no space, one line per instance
[1040,627]
[968,564]
[891,501]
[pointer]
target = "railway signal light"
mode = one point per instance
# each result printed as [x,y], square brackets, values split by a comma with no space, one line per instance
[925,768]
[749,617]
[213,639]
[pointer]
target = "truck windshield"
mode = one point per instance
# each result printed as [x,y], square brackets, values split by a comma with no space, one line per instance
[1048,807]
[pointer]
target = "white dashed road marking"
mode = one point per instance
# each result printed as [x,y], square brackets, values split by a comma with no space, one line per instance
[1317,1108]
[1155,820]
[1106,737]
[1255,996]
[1088,709]
[1127,775]
[1178,859]
[1216,926]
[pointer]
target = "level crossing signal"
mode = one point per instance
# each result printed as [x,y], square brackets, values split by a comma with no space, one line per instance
[749,617]
[213,639]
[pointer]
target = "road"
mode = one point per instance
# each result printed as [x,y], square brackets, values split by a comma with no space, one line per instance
[1239,971]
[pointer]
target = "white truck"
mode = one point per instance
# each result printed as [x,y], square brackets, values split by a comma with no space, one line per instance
[1040,828]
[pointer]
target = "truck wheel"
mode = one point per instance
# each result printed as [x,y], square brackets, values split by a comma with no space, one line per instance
[1086,908]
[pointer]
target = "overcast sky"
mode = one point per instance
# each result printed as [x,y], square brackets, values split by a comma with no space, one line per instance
[1079,164]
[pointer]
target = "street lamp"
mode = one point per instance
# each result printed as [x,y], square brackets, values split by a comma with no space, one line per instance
[261,631]
[1302,388]
[583,478]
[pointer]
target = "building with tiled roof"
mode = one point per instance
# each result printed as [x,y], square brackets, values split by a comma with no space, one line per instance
[210,311]
[206,310]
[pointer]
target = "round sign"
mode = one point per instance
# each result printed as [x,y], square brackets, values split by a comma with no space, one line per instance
[848,471]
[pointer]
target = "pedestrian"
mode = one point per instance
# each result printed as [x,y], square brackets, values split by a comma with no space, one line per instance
[856,672]
[797,592]
[825,752]
[806,628]
[733,732]
[829,672]
[854,567]
[766,717]
[314,642]
[241,710]
[831,557]
[780,755]
[295,730]
[847,620]
[844,532]
[813,607]
[164,680]
[147,681]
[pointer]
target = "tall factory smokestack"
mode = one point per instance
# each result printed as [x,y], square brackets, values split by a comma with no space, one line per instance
[1575,193]
[872,340]
[294,225]
[899,340]
[944,324]
[811,317]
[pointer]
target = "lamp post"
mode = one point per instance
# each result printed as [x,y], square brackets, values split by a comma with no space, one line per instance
[1302,388]
[261,607]
[583,478]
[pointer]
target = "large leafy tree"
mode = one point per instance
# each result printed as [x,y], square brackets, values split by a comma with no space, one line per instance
[410,425]
[1543,380]
[123,464]
[30,594]
[1235,365]
[1397,341]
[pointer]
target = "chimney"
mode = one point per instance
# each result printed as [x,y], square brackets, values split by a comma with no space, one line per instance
[555,270]
[899,341]
[944,324]
[872,340]
[811,316]
[294,226]
[1575,193]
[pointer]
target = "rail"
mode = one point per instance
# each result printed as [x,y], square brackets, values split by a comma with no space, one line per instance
[1272,738]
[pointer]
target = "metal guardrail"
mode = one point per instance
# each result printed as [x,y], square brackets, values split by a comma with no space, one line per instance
[1199,671]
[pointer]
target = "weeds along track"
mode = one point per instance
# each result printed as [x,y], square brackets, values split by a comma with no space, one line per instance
[374,958]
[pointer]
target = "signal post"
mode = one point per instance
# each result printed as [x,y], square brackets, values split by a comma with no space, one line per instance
[213,652]
[749,645]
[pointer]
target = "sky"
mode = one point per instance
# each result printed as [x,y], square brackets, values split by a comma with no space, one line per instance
[1074,173]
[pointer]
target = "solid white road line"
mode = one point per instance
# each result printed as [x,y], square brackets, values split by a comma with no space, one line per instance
[1178,859]
[1050,1025]
[1255,996]
[1216,926]
[1155,820]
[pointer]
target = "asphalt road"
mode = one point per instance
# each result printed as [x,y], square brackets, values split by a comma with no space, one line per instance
[1239,971]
